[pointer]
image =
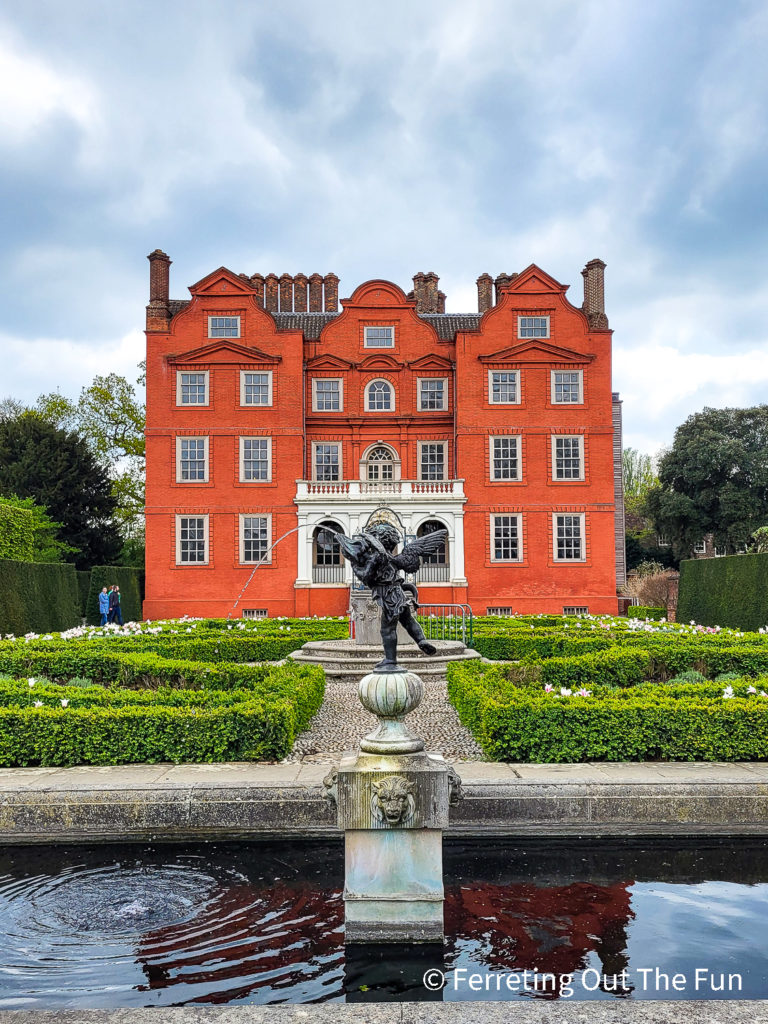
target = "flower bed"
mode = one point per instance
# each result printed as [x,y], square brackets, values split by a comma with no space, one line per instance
[173,691]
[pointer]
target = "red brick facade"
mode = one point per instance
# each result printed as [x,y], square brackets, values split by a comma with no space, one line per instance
[462,421]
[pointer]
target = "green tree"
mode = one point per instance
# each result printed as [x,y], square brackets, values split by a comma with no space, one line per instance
[59,471]
[714,479]
[639,477]
[46,546]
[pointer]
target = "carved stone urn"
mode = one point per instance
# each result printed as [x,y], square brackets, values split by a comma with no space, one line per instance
[390,696]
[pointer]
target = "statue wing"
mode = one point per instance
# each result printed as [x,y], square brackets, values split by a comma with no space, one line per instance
[410,557]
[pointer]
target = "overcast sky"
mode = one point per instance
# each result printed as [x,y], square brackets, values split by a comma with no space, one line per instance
[375,140]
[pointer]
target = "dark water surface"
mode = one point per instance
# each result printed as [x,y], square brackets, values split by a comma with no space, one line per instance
[161,925]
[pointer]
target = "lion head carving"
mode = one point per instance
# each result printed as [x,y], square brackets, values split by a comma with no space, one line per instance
[393,799]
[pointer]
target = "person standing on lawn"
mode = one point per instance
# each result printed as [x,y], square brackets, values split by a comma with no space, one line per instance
[103,606]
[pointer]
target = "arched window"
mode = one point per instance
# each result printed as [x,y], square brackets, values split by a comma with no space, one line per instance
[327,560]
[435,568]
[381,464]
[379,396]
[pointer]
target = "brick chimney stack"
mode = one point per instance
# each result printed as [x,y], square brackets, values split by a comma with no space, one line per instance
[501,282]
[594,295]
[331,290]
[484,293]
[315,293]
[441,302]
[418,291]
[257,281]
[272,289]
[158,313]
[286,293]
[300,293]
[431,281]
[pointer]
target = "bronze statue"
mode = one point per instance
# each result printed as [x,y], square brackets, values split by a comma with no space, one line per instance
[375,565]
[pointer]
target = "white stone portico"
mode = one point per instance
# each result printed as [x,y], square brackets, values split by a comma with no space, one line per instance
[350,503]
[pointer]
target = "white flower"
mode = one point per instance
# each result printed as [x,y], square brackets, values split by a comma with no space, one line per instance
[548,688]
[564,692]
[727,692]
[38,703]
[31,682]
[751,689]
[64,702]
[583,693]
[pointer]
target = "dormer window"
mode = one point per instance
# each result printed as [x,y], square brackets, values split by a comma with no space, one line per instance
[379,337]
[533,327]
[223,326]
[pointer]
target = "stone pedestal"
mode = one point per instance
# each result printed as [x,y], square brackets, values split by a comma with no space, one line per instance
[367,618]
[393,809]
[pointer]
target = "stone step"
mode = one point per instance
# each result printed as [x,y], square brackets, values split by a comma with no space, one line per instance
[344,660]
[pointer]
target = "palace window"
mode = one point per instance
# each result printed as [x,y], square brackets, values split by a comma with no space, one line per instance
[327,560]
[191,388]
[505,538]
[379,337]
[435,567]
[568,457]
[533,327]
[191,459]
[504,387]
[255,459]
[380,464]
[191,540]
[432,394]
[379,396]
[505,458]
[255,538]
[327,394]
[567,387]
[256,388]
[432,460]
[326,460]
[568,538]
[223,326]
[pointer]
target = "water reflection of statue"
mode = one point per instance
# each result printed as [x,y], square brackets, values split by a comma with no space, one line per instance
[373,562]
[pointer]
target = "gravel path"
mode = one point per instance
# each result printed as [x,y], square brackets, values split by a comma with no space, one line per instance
[342,721]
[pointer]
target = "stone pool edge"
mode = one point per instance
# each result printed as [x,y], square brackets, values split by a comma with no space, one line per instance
[724,1011]
[251,801]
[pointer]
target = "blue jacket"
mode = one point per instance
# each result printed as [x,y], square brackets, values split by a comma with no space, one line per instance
[103,603]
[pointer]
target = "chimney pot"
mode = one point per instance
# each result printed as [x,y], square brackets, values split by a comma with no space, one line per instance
[594,295]
[300,293]
[501,282]
[441,302]
[257,281]
[159,266]
[271,286]
[430,292]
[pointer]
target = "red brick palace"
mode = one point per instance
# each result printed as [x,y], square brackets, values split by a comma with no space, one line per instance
[270,409]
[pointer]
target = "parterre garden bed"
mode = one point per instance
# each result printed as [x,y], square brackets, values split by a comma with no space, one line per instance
[604,689]
[174,691]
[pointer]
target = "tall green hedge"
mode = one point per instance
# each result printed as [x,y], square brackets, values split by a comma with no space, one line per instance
[731,591]
[17,532]
[37,597]
[129,581]
[83,586]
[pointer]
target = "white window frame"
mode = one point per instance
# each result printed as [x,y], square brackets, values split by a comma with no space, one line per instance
[553,387]
[700,547]
[255,613]
[340,382]
[582,535]
[531,316]
[378,327]
[518,389]
[500,611]
[222,316]
[519,446]
[256,405]
[193,405]
[206,539]
[241,458]
[553,455]
[492,537]
[390,385]
[422,380]
[241,536]
[575,609]
[444,446]
[179,460]
[340,448]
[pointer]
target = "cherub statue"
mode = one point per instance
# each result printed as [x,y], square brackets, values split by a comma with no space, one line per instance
[375,565]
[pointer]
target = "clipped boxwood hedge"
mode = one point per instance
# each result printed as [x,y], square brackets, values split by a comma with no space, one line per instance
[257,718]
[731,591]
[516,720]
[37,597]
[17,532]
[646,611]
